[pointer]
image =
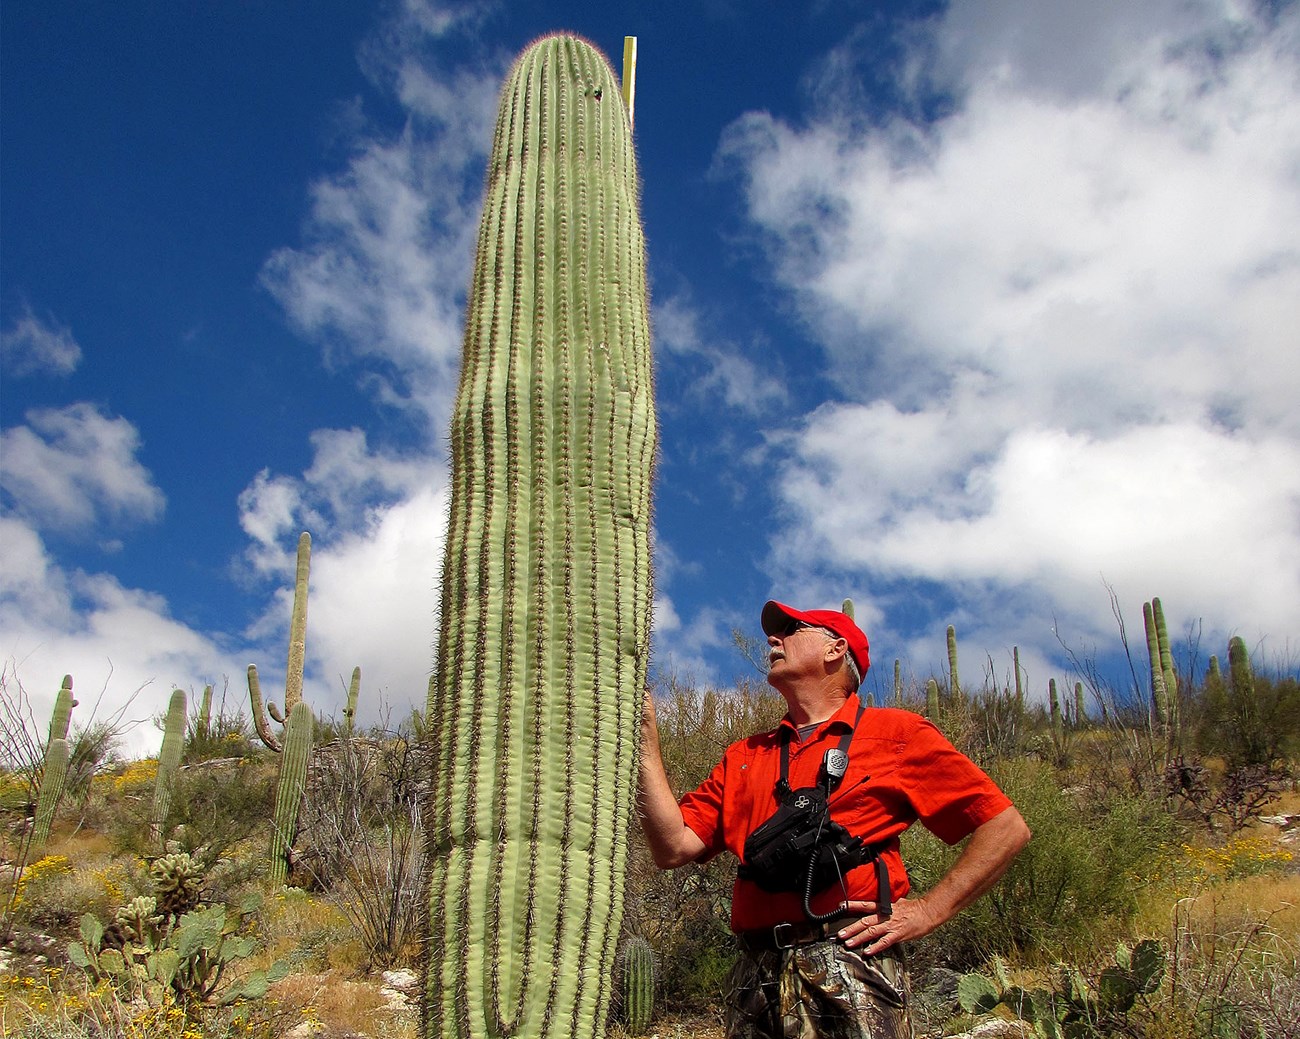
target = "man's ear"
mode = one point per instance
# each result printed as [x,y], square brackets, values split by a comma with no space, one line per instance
[836,650]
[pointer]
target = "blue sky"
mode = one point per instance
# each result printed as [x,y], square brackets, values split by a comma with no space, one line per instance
[967,312]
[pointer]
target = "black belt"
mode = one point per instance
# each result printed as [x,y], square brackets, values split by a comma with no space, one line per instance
[790,935]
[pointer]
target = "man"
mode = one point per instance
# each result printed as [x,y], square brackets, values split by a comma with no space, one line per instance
[821,939]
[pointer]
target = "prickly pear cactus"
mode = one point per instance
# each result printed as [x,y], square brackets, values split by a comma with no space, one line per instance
[546,582]
[296,750]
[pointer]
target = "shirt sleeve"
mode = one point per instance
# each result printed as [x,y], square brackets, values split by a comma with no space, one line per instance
[951,794]
[702,810]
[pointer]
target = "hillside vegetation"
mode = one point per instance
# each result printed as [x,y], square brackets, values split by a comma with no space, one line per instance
[1158,896]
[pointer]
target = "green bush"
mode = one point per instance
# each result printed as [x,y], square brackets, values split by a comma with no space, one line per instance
[215,805]
[1072,889]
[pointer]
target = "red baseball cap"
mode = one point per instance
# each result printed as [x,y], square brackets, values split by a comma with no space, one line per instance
[777,617]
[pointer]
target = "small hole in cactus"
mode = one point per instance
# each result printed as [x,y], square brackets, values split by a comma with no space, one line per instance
[598,92]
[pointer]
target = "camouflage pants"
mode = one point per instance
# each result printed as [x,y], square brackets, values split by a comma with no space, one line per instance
[817,991]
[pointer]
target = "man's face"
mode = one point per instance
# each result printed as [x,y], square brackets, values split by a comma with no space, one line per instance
[799,651]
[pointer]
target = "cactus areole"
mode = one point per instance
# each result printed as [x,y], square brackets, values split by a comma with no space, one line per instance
[534,711]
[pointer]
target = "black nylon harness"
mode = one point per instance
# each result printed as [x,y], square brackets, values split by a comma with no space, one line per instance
[827,837]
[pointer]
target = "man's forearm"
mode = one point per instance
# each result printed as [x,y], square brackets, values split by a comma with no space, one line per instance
[987,855]
[672,843]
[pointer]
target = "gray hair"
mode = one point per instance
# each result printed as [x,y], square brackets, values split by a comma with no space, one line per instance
[855,676]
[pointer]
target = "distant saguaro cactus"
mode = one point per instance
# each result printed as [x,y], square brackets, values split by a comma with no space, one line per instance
[169,760]
[932,700]
[296,659]
[954,687]
[289,789]
[54,774]
[61,719]
[354,691]
[203,723]
[546,587]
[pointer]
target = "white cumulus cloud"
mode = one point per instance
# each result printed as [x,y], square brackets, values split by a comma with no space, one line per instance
[1063,315]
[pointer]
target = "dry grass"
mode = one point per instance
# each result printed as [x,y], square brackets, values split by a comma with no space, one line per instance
[336,1006]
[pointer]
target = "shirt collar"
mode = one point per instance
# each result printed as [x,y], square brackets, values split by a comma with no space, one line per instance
[845,716]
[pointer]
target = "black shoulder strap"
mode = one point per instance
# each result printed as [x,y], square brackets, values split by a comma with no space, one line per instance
[783,783]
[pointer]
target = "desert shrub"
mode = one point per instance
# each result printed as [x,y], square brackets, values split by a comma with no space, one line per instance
[1258,725]
[226,735]
[361,837]
[215,805]
[53,894]
[1076,884]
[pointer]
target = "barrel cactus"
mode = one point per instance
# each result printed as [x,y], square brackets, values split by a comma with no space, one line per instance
[546,582]
[638,973]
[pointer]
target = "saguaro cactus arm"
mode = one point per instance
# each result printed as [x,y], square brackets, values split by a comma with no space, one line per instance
[260,720]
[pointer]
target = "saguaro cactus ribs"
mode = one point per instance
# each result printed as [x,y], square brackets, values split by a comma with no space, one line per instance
[542,650]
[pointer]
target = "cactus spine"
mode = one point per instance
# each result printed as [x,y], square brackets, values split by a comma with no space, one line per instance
[297,655]
[546,581]
[638,985]
[289,790]
[169,760]
[53,776]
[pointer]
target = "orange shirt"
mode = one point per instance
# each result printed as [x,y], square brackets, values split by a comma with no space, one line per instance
[901,769]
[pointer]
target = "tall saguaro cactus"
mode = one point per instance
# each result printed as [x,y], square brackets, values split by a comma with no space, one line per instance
[546,582]
[61,719]
[291,784]
[169,760]
[297,654]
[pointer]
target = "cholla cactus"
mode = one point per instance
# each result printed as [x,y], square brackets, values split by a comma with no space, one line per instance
[545,617]
[177,883]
